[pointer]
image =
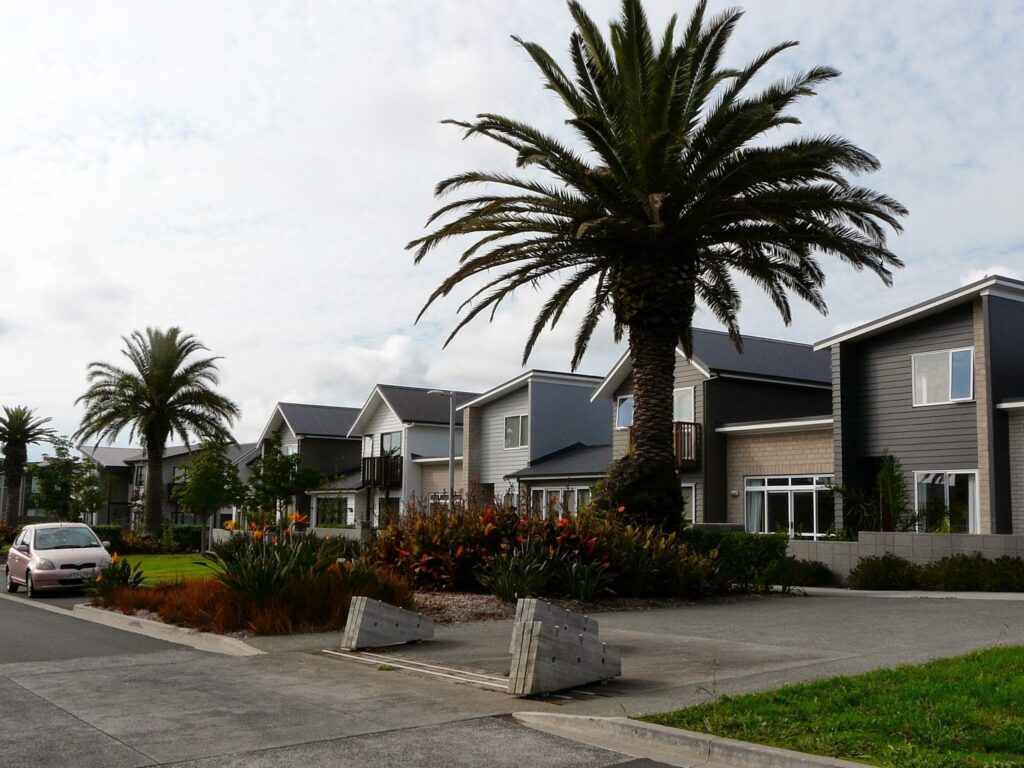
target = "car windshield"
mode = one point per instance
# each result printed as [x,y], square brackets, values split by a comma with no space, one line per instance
[65,538]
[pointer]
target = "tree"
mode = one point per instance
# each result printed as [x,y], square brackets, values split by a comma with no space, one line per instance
[275,480]
[167,391]
[19,428]
[211,482]
[671,194]
[67,487]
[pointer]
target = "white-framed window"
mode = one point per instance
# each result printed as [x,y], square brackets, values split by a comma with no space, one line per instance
[683,404]
[140,474]
[391,444]
[624,412]
[333,511]
[947,501]
[689,502]
[556,502]
[290,449]
[801,506]
[517,432]
[943,377]
[180,474]
[367,445]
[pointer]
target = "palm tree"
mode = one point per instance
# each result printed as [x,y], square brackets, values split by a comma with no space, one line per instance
[19,428]
[166,392]
[672,193]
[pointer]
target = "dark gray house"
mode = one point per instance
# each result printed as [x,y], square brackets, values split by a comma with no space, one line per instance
[940,386]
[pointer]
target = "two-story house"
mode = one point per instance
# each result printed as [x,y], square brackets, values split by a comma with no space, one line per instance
[404,432]
[540,435]
[115,482]
[940,386]
[760,416]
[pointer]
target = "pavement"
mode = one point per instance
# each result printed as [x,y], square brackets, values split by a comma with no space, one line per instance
[82,694]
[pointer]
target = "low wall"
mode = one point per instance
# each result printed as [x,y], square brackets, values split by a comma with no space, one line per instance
[352,534]
[921,548]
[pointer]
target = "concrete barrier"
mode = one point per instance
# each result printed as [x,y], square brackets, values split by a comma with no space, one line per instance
[553,649]
[372,624]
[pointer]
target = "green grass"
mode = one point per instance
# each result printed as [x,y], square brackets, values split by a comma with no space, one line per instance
[161,568]
[963,712]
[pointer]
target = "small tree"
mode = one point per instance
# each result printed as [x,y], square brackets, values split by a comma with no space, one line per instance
[276,479]
[210,484]
[67,487]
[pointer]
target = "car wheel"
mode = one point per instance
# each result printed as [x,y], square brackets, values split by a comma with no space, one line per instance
[29,591]
[11,586]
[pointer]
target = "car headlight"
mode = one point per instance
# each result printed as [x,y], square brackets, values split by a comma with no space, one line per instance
[105,561]
[45,565]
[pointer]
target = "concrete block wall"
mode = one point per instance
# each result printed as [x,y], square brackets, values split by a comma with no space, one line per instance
[921,548]
[787,453]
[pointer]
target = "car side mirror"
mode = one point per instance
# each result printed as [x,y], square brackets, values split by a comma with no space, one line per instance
[106,544]
[23,548]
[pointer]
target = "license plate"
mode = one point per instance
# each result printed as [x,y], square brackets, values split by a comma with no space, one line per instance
[76,575]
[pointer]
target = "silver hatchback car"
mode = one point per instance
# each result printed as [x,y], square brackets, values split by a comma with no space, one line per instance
[54,556]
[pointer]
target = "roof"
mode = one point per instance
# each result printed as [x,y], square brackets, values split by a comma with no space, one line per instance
[990,285]
[576,460]
[523,379]
[108,456]
[715,354]
[309,420]
[234,452]
[411,405]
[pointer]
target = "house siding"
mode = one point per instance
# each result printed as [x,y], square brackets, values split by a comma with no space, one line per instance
[562,414]
[495,461]
[1005,335]
[382,421]
[877,412]
[1015,441]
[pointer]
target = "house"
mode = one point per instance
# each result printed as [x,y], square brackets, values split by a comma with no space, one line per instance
[115,480]
[761,416]
[404,432]
[319,435]
[25,508]
[540,435]
[940,386]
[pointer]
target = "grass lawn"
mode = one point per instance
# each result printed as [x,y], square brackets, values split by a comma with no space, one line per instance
[161,568]
[962,712]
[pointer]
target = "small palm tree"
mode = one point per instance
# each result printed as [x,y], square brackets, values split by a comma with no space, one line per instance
[19,428]
[672,193]
[166,392]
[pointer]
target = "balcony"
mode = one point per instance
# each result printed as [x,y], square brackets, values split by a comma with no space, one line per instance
[382,471]
[687,441]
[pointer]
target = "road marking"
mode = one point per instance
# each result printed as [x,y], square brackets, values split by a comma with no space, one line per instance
[457,675]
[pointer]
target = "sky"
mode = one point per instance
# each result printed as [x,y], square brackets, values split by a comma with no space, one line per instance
[251,172]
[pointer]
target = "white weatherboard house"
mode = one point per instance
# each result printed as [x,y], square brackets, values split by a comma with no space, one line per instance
[540,435]
[404,434]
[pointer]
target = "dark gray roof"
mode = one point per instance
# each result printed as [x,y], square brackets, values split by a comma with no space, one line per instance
[577,460]
[235,452]
[318,420]
[415,404]
[762,357]
[107,456]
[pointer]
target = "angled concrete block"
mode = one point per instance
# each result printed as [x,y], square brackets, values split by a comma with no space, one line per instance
[532,609]
[372,624]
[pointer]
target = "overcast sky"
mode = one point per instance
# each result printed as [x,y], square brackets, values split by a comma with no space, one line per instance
[251,172]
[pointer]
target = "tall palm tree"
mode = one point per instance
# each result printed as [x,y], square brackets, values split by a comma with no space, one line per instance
[19,428]
[672,192]
[165,392]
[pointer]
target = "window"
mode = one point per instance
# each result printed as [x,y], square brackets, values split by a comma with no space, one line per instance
[517,431]
[624,412]
[367,445]
[391,444]
[682,404]
[140,474]
[943,377]
[797,506]
[556,502]
[946,502]
[689,500]
[180,474]
[334,511]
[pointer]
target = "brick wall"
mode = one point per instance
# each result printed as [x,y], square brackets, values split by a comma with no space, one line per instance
[788,453]
[1017,470]
[981,394]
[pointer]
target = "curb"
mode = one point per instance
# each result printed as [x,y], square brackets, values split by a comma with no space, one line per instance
[201,641]
[674,745]
[913,593]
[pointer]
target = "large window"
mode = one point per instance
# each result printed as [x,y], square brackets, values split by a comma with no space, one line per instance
[517,431]
[391,444]
[943,377]
[367,445]
[799,506]
[946,502]
[334,511]
[624,412]
[556,502]
[682,404]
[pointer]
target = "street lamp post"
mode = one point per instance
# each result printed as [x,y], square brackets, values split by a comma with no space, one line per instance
[451,443]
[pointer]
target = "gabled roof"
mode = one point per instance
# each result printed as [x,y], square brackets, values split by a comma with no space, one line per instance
[307,420]
[714,354]
[234,452]
[107,456]
[990,285]
[410,405]
[523,379]
[576,460]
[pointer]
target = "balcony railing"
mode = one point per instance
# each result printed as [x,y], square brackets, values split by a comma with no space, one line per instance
[686,444]
[382,471]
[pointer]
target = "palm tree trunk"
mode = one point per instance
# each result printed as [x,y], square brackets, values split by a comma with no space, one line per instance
[154,489]
[14,478]
[653,351]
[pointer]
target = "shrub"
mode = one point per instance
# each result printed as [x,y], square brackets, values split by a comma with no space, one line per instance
[118,575]
[519,572]
[111,533]
[1006,574]
[746,561]
[8,533]
[582,580]
[134,544]
[968,573]
[885,572]
[182,538]
[791,572]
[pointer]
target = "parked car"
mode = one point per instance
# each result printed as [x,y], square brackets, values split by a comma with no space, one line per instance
[54,556]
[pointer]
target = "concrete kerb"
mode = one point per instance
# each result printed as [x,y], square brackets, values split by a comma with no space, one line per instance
[912,593]
[672,745]
[201,641]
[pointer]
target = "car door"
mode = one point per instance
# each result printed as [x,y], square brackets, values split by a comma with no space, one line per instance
[16,559]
